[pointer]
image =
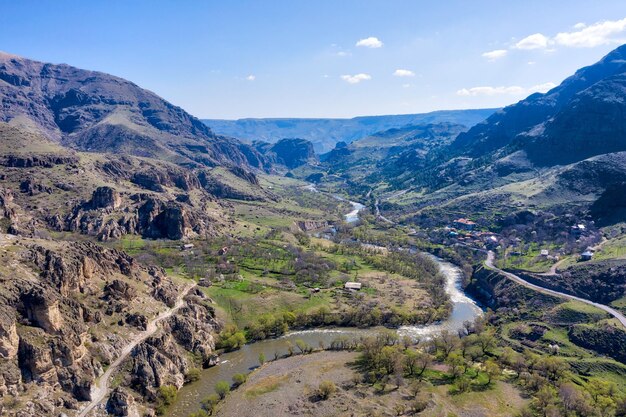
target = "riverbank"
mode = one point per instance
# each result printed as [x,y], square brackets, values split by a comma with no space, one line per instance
[290,387]
[247,358]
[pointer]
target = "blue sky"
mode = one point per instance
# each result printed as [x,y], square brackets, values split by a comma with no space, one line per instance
[232,59]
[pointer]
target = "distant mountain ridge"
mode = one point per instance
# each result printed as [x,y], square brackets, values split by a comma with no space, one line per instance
[326,133]
[94,111]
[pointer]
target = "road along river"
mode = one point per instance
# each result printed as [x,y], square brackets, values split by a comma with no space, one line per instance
[247,358]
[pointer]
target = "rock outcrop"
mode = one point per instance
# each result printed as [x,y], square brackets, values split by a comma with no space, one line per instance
[68,272]
[37,160]
[8,209]
[106,197]
[143,214]
[9,340]
[42,310]
[121,403]
[56,319]
[289,152]
[156,362]
[162,359]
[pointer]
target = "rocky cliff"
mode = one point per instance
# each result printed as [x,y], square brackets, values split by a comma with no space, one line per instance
[289,152]
[67,310]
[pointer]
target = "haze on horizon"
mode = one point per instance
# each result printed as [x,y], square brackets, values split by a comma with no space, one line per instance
[320,59]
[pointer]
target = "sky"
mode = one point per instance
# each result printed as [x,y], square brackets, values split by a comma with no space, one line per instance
[273,58]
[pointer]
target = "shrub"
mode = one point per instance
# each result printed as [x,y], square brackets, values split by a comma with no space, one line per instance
[167,394]
[239,379]
[462,384]
[210,402]
[419,404]
[231,338]
[193,375]
[326,389]
[222,388]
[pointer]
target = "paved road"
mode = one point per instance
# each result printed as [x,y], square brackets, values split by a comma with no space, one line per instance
[101,388]
[489,264]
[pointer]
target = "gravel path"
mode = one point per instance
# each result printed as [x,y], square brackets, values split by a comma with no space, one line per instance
[101,388]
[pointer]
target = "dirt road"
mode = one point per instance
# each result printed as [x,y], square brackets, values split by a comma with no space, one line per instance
[101,388]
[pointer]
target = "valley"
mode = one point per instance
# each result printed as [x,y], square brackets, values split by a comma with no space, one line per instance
[454,263]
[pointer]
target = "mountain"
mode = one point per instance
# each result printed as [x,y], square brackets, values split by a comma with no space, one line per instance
[392,153]
[325,133]
[562,151]
[97,112]
[581,117]
[289,152]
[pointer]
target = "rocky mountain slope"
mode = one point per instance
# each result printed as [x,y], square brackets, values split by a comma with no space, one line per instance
[325,133]
[592,92]
[97,112]
[46,187]
[289,152]
[392,154]
[562,150]
[67,309]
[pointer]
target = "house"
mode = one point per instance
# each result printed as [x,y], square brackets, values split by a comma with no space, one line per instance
[188,246]
[352,286]
[586,256]
[204,282]
[465,224]
[544,252]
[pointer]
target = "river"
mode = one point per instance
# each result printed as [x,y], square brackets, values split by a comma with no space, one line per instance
[353,216]
[247,358]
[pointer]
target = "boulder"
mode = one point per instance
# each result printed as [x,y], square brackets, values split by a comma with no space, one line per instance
[119,290]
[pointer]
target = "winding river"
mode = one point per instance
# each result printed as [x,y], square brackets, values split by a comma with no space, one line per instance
[247,358]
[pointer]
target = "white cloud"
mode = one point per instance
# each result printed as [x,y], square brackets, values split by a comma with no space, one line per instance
[406,85]
[356,78]
[510,90]
[583,36]
[403,73]
[371,42]
[342,53]
[535,41]
[542,88]
[251,77]
[601,33]
[493,55]
[531,62]
[489,91]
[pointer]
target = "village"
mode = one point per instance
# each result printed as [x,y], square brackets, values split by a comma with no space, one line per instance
[578,240]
